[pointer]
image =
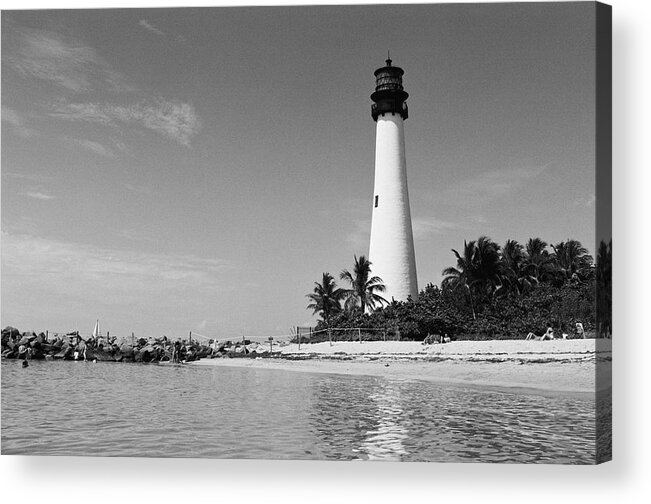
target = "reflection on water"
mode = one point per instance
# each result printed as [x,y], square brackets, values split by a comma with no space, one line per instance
[385,442]
[77,408]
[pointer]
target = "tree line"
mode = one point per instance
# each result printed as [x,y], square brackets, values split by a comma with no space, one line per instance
[491,292]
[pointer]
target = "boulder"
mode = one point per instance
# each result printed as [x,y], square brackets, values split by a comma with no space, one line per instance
[9,354]
[127,351]
[103,356]
[11,332]
[65,353]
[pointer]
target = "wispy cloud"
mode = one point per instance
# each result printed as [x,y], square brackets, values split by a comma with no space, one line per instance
[65,62]
[16,123]
[494,184]
[37,195]
[150,27]
[171,118]
[89,145]
[490,185]
[27,176]
[423,227]
[68,268]
[357,211]
[359,236]
[134,236]
[588,201]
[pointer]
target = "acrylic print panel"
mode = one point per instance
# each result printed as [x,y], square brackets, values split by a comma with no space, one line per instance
[334,233]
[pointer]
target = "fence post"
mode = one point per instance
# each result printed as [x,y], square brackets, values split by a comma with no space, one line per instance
[190,336]
[330,336]
[132,339]
[359,333]
[384,335]
[298,333]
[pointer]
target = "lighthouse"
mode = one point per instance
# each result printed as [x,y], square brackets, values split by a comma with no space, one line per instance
[391,250]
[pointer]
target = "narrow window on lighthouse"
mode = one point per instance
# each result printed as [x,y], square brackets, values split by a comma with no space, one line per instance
[376,200]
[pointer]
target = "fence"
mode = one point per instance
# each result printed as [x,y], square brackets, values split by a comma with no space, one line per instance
[311,335]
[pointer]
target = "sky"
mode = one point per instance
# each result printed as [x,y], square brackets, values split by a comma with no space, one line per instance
[175,170]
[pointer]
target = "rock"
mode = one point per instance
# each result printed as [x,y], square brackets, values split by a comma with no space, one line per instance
[9,354]
[102,355]
[127,351]
[65,353]
[11,332]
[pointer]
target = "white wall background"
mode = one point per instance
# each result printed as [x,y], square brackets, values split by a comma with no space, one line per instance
[64,479]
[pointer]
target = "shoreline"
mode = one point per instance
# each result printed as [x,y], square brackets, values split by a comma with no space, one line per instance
[560,368]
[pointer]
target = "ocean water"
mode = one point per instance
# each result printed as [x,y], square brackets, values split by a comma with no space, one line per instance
[110,409]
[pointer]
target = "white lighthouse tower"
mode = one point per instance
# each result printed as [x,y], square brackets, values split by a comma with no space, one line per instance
[391,250]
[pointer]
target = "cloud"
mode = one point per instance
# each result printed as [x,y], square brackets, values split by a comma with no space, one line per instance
[423,227]
[62,268]
[27,176]
[37,195]
[150,27]
[17,123]
[489,185]
[64,62]
[359,236]
[588,202]
[89,145]
[135,236]
[171,118]
[494,184]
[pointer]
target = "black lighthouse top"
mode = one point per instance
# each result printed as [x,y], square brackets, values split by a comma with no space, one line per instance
[389,96]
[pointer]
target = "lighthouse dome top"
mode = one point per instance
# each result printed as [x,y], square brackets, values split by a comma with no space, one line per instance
[388,78]
[389,96]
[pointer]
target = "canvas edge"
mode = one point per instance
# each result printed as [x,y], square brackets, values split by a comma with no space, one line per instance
[603,230]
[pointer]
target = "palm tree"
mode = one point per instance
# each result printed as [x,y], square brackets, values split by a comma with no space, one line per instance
[463,275]
[326,298]
[488,267]
[514,275]
[538,263]
[363,291]
[478,269]
[572,260]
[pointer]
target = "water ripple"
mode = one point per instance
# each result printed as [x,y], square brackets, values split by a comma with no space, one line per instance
[104,409]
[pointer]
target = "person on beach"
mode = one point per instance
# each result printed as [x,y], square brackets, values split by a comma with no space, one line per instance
[579,330]
[549,335]
[176,355]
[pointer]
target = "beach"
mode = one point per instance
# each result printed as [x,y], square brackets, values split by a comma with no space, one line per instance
[556,368]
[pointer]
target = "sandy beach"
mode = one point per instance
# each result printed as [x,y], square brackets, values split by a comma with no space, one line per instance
[559,367]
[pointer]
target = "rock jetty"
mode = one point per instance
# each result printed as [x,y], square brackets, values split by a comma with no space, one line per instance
[72,346]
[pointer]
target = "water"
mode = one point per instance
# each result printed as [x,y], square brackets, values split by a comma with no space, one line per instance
[108,409]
